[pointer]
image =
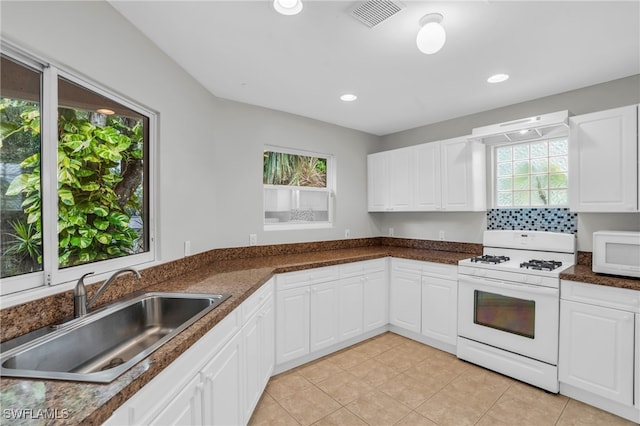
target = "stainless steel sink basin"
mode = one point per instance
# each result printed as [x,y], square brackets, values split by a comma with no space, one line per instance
[107,342]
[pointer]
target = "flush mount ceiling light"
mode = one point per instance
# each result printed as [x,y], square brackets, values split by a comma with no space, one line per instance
[498,78]
[106,111]
[431,36]
[348,97]
[287,7]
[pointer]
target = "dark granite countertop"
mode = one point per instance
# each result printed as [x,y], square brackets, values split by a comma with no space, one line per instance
[583,273]
[89,403]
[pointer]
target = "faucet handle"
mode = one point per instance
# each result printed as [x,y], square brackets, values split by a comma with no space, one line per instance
[80,288]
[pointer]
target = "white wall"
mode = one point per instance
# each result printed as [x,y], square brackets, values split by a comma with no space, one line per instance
[210,150]
[465,226]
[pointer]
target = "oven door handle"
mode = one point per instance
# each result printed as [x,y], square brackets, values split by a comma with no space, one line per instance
[490,282]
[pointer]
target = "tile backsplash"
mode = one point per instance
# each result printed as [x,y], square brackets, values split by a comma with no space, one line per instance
[545,219]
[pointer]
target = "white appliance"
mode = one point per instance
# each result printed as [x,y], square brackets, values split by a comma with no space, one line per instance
[617,253]
[509,304]
[555,124]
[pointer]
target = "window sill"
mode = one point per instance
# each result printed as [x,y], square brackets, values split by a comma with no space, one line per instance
[296,225]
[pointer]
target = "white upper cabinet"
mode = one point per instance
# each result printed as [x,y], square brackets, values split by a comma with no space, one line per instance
[378,181]
[463,174]
[447,175]
[401,179]
[390,181]
[428,189]
[603,161]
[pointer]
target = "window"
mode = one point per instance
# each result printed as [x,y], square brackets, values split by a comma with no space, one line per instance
[533,174]
[298,189]
[74,176]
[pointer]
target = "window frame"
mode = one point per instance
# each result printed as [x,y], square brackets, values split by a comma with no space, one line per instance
[52,275]
[494,171]
[330,189]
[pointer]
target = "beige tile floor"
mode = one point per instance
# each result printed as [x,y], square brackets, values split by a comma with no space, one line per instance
[391,380]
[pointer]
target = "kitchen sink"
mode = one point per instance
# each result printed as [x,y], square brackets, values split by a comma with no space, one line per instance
[105,343]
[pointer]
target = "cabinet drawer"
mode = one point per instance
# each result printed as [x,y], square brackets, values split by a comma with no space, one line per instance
[362,268]
[307,277]
[255,301]
[431,269]
[406,265]
[610,297]
[440,270]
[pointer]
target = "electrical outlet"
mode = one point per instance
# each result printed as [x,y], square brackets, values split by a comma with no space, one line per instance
[391,232]
[441,235]
[253,239]
[187,248]
[347,233]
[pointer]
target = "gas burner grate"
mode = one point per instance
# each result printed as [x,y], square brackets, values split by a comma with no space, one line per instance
[541,265]
[490,259]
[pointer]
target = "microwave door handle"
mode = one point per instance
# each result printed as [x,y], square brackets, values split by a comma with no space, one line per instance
[491,282]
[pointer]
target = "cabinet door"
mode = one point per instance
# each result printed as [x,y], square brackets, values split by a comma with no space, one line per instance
[223,386]
[323,320]
[603,167]
[596,350]
[268,342]
[427,184]
[377,181]
[292,323]
[376,300]
[456,175]
[252,364]
[405,293]
[185,408]
[439,309]
[258,346]
[351,307]
[401,179]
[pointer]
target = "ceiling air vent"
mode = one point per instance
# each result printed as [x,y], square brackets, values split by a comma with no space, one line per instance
[373,12]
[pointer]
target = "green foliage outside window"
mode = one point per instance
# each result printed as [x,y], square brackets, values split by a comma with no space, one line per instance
[281,168]
[99,169]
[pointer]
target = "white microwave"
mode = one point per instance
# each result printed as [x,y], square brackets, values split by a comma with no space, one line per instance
[617,253]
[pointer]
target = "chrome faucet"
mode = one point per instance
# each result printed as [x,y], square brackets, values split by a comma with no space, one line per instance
[80,303]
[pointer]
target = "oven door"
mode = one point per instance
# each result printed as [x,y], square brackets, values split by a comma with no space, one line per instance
[515,317]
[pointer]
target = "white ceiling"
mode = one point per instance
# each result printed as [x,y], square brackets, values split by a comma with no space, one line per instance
[245,51]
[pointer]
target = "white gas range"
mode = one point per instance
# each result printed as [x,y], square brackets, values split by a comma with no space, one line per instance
[509,304]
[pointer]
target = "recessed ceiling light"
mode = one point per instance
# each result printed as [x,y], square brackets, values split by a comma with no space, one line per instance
[348,97]
[106,111]
[288,7]
[498,78]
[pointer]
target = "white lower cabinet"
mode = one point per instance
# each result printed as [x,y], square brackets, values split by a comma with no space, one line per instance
[405,298]
[292,323]
[185,408]
[597,355]
[439,308]
[351,306]
[323,315]
[218,380]
[259,352]
[316,311]
[424,302]
[222,386]
[375,299]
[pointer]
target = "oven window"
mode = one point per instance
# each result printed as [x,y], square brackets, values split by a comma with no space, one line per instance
[505,313]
